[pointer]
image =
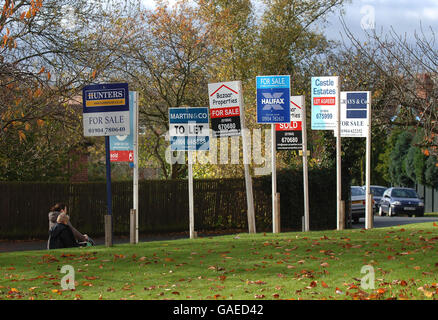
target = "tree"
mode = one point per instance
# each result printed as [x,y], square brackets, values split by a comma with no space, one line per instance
[415,161]
[409,70]
[288,39]
[50,49]
[282,41]
[384,158]
[173,52]
[397,167]
[431,172]
[167,58]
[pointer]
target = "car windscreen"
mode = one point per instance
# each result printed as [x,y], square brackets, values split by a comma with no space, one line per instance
[377,191]
[403,193]
[357,192]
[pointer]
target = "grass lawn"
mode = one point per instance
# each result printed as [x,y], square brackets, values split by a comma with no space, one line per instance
[313,265]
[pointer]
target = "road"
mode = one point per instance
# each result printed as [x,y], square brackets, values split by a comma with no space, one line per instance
[383,222]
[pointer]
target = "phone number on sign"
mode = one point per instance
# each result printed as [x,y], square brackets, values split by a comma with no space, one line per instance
[227,126]
[106,131]
[324,116]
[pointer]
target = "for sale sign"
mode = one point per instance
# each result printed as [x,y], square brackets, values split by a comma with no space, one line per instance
[225,108]
[273,93]
[189,129]
[325,102]
[354,113]
[289,136]
[106,109]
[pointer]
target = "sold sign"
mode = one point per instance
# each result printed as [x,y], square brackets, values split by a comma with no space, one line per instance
[289,136]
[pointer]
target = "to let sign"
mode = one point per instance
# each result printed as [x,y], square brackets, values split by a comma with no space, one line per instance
[189,129]
[106,109]
[225,108]
[273,94]
[289,136]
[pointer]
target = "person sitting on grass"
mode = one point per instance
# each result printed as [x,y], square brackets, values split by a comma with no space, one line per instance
[53,215]
[61,236]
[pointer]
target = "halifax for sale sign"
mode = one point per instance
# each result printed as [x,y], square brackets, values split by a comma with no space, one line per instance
[189,129]
[273,93]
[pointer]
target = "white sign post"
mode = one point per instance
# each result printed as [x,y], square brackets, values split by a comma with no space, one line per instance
[135,178]
[189,131]
[191,197]
[301,102]
[227,119]
[273,106]
[326,115]
[369,215]
[125,149]
[356,122]
[275,213]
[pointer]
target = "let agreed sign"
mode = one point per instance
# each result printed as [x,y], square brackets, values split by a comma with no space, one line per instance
[325,102]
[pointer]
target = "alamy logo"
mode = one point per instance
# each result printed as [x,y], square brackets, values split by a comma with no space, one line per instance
[68,18]
[272,101]
[367,281]
[368,21]
[68,281]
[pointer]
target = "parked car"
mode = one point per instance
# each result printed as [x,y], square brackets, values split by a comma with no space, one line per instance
[377,192]
[357,203]
[397,201]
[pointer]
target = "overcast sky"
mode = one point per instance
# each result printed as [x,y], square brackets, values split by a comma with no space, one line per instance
[405,16]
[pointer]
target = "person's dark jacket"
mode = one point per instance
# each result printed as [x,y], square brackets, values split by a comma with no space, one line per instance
[61,236]
[52,222]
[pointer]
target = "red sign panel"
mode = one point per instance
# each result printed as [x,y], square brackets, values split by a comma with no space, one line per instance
[293,126]
[225,112]
[324,101]
[122,156]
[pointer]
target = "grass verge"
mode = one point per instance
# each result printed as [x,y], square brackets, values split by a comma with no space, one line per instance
[431,214]
[313,265]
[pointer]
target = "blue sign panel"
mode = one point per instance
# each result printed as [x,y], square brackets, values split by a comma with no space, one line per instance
[122,147]
[357,105]
[189,129]
[273,105]
[106,109]
[109,97]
